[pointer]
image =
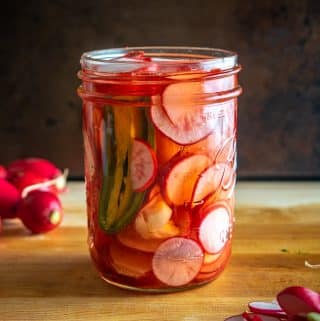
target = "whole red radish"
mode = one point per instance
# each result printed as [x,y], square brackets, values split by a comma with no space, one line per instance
[3,172]
[40,211]
[41,169]
[27,179]
[9,199]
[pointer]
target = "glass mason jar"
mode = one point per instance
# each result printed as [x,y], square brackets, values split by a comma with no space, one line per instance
[160,129]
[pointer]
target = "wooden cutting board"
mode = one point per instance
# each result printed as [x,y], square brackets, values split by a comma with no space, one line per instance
[50,277]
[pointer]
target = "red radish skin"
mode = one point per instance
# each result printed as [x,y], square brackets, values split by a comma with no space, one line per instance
[214,229]
[252,317]
[143,165]
[258,317]
[9,199]
[26,179]
[41,168]
[3,172]
[266,308]
[177,261]
[296,299]
[40,211]
[180,177]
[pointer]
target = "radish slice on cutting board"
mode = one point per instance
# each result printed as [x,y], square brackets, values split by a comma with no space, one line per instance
[143,165]
[267,308]
[252,317]
[297,299]
[177,261]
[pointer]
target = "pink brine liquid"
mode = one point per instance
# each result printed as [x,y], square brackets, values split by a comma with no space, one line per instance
[160,168]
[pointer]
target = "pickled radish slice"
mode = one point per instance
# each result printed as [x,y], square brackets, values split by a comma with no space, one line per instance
[167,149]
[177,261]
[129,262]
[180,101]
[182,177]
[182,218]
[153,220]
[130,238]
[208,182]
[214,229]
[266,308]
[190,130]
[143,165]
[297,299]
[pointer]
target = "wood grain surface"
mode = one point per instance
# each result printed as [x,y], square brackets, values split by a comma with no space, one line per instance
[50,277]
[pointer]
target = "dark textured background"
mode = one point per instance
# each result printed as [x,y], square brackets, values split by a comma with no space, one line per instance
[278,43]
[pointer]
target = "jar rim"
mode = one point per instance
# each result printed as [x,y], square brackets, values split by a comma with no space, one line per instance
[168,59]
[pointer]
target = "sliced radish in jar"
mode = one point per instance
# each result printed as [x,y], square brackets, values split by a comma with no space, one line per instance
[297,299]
[182,218]
[129,262]
[130,238]
[186,132]
[214,230]
[143,165]
[167,149]
[266,308]
[218,262]
[153,220]
[183,117]
[182,177]
[208,182]
[177,261]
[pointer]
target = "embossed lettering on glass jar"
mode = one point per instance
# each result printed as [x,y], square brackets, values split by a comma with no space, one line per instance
[160,129]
